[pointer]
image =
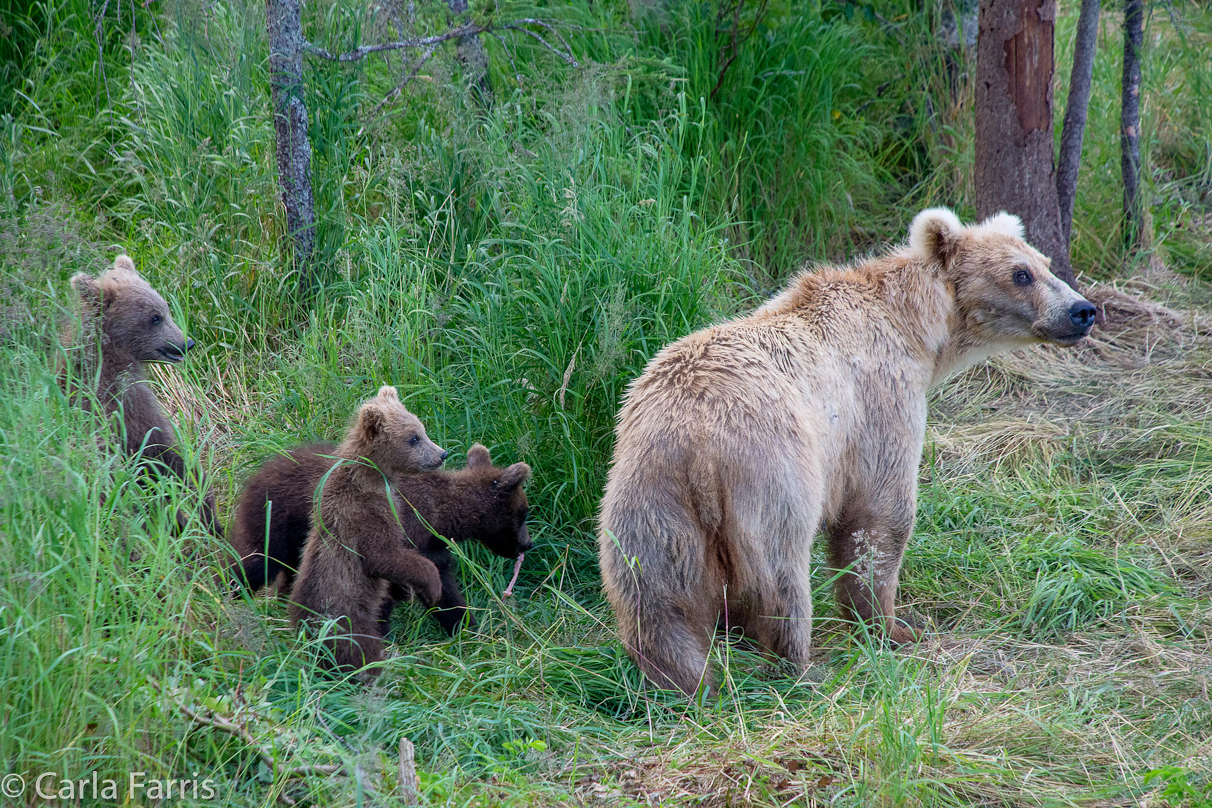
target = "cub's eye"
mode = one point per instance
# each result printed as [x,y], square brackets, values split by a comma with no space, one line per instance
[1022,277]
[155,320]
[414,440]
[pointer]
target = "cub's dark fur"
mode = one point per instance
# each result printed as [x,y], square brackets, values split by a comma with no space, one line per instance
[285,487]
[482,502]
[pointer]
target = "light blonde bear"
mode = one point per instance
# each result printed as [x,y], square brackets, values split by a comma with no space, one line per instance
[740,441]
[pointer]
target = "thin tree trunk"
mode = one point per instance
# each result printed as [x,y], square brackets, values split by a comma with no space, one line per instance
[1129,133]
[474,58]
[957,29]
[283,22]
[1015,169]
[1080,81]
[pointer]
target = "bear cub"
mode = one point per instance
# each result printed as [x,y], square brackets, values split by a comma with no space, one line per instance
[368,545]
[482,502]
[273,513]
[356,548]
[129,321]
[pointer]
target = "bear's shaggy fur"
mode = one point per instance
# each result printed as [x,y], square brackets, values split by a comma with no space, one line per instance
[286,488]
[482,502]
[129,321]
[367,549]
[356,547]
[739,441]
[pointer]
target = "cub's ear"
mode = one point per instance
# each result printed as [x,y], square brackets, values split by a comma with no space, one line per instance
[388,393]
[371,419]
[478,455]
[124,261]
[934,235]
[1005,223]
[86,287]
[514,476]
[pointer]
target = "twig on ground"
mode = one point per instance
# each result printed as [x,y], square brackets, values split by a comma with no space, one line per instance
[408,772]
[517,567]
[211,719]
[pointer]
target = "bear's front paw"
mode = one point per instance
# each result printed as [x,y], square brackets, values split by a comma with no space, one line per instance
[902,631]
[429,584]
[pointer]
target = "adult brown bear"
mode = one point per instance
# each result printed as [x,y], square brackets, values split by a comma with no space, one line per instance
[740,441]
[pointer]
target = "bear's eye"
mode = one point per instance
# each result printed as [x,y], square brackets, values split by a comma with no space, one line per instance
[414,440]
[1022,277]
[155,320]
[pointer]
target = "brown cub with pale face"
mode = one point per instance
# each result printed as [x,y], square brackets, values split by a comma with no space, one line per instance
[273,512]
[740,441]
[356,551]
[481,502]
[130,323]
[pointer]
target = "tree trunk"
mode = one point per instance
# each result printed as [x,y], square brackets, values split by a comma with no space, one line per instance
[283,22]
[1015,170]
[474,58]
[1075,114]
[1129,133]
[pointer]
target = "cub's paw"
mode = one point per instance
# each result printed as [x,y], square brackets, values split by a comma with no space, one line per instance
[428,583]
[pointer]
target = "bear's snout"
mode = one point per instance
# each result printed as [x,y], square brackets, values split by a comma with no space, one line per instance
[189,343]
[443,455]
[173,353]
[1081,314]
[524,542]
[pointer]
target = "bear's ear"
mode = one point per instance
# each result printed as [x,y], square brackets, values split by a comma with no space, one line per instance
[1005,223]
[372,419]
[478,455]
[934,235]
[514,476]
[388,393]
[124,261]
[86,286]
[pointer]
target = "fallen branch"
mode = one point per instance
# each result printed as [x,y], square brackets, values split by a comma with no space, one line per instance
[211,719]
[467,29]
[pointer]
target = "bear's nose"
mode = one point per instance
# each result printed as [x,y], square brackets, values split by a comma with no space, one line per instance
[444,454]
[189,343]
[1082,314]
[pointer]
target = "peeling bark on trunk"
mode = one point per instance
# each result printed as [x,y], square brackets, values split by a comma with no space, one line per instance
[471,54]
[283,22]
[1129,133]
[1081,79]
[1015,169]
